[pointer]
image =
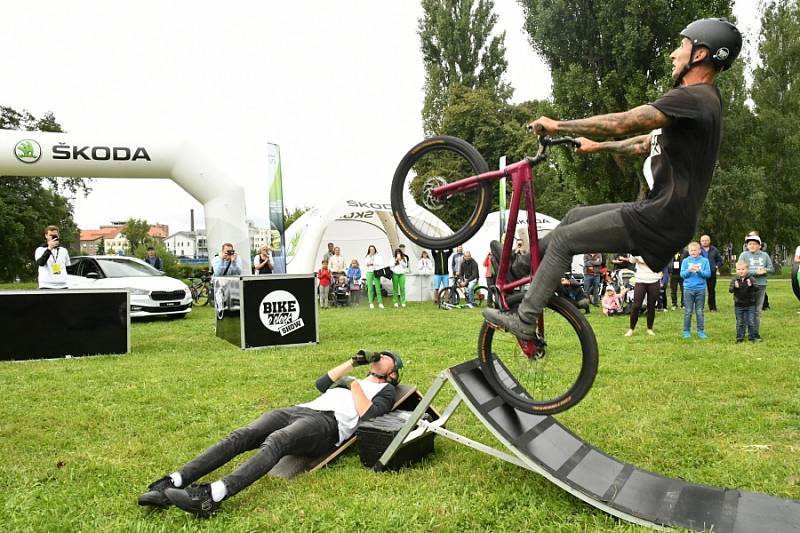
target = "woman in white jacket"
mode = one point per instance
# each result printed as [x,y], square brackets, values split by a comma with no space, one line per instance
[373,262]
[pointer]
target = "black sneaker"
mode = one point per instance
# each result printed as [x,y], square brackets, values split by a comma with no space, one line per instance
[155,496]
[194,499]
[739,340]
[512,323]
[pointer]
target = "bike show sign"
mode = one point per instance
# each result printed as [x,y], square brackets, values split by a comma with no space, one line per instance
[270,310]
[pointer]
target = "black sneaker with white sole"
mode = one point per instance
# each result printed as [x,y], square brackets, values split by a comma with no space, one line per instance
[155,497]
[511,322]
[195,499]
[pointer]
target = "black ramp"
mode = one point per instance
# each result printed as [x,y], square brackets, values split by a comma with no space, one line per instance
[618,488]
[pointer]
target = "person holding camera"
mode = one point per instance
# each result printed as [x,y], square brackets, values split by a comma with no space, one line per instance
[311,429]
[52,260]
[228,263]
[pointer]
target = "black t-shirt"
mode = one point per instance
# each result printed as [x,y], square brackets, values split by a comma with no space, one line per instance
[682,160]
[440,259]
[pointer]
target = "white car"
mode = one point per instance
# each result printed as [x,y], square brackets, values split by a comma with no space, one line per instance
[152,292]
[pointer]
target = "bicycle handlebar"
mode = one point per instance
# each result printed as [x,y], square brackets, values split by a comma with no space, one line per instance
[545,142]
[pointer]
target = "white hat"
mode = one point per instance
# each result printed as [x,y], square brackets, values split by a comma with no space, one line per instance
[753,237]
[610,288]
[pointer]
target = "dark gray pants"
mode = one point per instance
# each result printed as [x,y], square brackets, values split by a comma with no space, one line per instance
[287,431]
[592,229]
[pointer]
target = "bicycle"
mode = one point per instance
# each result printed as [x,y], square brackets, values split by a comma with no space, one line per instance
[545,376]
[201,289]
[450,297]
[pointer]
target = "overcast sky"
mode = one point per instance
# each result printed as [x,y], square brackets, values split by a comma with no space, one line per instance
[337,85]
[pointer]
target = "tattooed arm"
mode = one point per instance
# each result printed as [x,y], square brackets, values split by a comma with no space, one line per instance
[632,146]
[638,119]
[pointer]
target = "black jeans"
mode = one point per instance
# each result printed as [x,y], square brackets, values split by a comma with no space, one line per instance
[676,283]
[287,431]
[711,290]
[595,229]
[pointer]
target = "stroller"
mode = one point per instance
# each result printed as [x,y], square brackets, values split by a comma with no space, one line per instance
[341,295]
[623,279]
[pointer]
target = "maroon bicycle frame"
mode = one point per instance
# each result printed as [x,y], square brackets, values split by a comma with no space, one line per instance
[521,174]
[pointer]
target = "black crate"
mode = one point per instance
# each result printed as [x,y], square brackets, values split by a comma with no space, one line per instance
[375,435]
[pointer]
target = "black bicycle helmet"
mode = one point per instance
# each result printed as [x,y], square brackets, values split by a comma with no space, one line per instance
[722,39]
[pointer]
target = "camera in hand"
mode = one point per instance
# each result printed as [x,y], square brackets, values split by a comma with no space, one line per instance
[231,252]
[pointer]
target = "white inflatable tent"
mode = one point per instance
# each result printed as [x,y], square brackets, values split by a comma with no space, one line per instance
[353,224]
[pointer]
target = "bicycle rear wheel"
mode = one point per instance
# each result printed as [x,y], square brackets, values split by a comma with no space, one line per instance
[439,223]
[560,372]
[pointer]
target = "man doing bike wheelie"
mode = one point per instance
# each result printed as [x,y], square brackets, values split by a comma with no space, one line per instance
[684,128]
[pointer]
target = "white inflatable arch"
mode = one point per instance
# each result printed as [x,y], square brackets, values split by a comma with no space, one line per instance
[28,153]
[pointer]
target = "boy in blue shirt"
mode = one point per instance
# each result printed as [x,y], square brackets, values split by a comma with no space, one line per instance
[695,270]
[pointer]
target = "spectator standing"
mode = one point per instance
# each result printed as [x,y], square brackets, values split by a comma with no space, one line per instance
[441,258]
[354,280]
[329,252]
[337,263]
[743,287]
[491,275]
[469,274]
[153,260]
[425,271]
[675,279]
[759,265]
[262,263]
[52,260]
[591,274]
[455,261]
[325,277]
[647,284]
[695,270]
[710,252]
[228,263]
[399,269]
[372,262]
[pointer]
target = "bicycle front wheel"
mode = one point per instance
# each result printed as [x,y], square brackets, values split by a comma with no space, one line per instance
[445,222]
[560,372]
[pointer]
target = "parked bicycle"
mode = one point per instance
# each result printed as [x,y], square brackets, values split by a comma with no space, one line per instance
[455,296]
[201,289]
[553,372]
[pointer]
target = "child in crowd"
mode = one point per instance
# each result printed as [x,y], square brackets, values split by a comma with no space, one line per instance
[325,277]
[354,279]
[611,301]
[341,291]
[743,287]
[695,270]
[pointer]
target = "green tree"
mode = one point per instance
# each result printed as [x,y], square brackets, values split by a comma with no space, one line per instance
[101,247]
[458,49]
[26,208]
[607,57]
[291,216]
[11,119]
[137,231]
[777,105]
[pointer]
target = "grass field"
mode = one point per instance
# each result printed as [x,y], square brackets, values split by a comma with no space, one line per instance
[81,438]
